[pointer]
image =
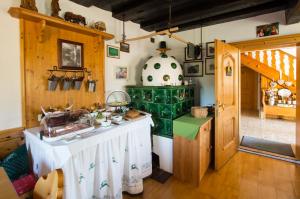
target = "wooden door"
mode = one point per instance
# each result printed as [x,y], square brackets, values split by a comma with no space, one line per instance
[249,89]
[227,72]
[298,103]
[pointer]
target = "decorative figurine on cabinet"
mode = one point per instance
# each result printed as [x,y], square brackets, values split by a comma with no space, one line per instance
[55,8]
[29,4]
[71,17]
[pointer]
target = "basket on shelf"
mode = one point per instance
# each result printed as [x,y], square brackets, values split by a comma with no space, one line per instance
[199,112]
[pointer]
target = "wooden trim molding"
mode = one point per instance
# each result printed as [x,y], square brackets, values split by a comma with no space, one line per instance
[298,104]
[268,43]
[45,20]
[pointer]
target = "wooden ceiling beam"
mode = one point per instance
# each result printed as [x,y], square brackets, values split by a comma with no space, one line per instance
[237,15]
[145,9]
[130,11]
[86,3]
[103,4]
[293,13]
[201,11]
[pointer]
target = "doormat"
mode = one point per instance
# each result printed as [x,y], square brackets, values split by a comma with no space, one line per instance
[160,175]
[269,146]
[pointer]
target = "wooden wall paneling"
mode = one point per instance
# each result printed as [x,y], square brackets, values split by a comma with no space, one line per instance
[10,139]
[22,72]
[249,88]
[41,56]
[39,36]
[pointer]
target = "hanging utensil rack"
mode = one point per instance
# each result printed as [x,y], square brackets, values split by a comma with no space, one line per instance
[83,71]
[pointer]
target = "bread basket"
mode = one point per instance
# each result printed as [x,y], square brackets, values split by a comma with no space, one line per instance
[199,112]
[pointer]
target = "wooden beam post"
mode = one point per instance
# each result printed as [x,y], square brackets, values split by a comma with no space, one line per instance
[293,14]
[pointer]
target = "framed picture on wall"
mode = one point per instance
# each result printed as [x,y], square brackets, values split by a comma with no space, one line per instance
[210,49]
[198,51]
[113,51]
[267,30]
[193,69]
[124,47]
[70,55]
[209,66]
[121,73]
[186,57]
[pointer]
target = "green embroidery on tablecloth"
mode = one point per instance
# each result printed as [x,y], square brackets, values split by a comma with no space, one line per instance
[92,166]
[114,160]
[81,177]
[104,183]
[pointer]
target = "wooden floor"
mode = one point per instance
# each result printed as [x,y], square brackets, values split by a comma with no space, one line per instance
[245,176]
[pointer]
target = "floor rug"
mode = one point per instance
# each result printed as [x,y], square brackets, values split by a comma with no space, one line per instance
[160,175]
[269,146]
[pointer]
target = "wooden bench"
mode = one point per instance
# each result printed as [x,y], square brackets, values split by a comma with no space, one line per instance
[10,140]
[287,113]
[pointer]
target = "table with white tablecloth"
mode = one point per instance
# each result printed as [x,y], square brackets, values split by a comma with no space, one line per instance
[102,163]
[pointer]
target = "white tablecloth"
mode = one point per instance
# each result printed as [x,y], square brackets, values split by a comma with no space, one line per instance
[100,164]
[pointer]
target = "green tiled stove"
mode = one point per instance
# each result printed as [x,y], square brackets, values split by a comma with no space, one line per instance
[165,103]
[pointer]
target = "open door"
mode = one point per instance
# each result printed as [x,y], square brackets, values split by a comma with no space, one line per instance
[298,103]
[227,72]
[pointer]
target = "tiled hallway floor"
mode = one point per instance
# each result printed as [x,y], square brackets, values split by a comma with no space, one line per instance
[270,129]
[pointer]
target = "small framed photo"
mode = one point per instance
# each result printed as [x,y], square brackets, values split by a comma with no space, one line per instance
[267,30]
[198,58]
[210,49]
[186,57]
[121,73]
[193,69]
[124,47]
[113,51]
[209,66]
[70,55]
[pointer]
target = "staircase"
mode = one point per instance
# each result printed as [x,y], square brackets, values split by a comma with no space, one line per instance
[272,64]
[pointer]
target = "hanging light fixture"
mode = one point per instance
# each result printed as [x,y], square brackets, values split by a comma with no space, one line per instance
[124,47]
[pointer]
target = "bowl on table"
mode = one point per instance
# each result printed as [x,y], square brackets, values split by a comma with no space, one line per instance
[105,123]
[117,118]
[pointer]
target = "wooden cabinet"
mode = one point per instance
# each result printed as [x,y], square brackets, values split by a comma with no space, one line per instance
[191,158]
[205,148]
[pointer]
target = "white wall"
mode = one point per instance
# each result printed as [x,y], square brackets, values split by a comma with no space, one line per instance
[10,97]
[10,100]
[10,85]
[232,31]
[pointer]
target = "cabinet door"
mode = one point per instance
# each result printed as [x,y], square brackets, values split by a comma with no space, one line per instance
[204,149]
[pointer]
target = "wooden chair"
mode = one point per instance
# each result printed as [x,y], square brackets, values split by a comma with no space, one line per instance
[50,186]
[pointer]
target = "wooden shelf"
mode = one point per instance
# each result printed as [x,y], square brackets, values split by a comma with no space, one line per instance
[45,20]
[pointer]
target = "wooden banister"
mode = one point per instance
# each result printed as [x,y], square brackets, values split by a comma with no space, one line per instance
[264,69]
[274,60]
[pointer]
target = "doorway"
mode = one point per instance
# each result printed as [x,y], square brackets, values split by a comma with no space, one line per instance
[268,101]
